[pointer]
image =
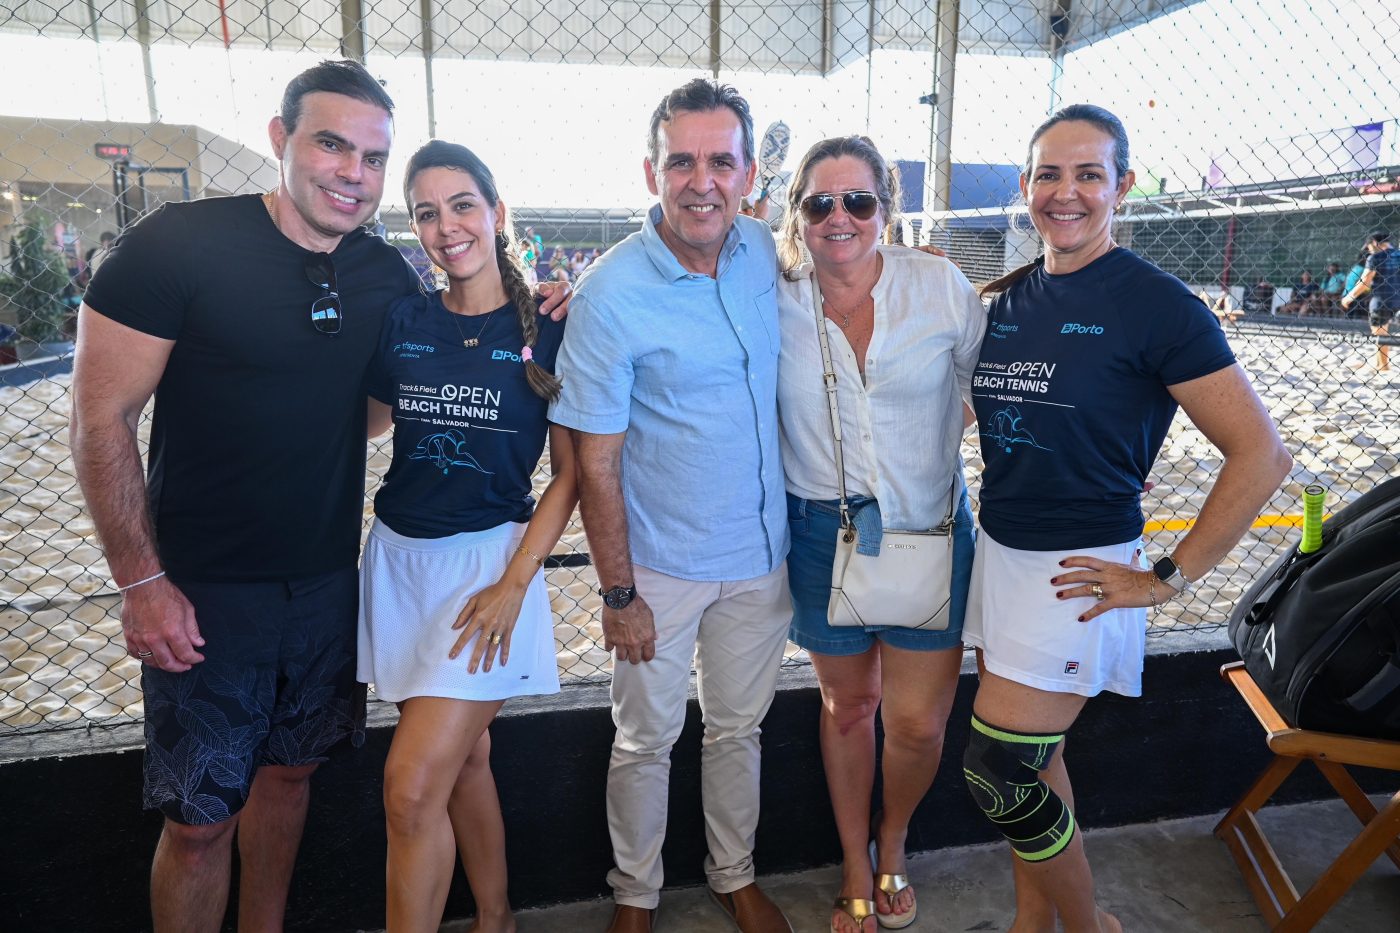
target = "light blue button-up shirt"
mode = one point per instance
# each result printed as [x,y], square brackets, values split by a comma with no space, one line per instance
[687,365]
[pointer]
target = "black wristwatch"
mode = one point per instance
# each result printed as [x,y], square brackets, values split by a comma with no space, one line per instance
[619,597]
[1169,573]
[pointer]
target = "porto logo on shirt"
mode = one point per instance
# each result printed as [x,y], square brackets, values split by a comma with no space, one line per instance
[1073,328]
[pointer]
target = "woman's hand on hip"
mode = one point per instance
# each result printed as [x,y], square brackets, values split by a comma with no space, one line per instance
[1110,585]
[490,614]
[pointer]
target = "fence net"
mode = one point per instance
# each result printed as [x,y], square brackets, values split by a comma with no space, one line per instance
[1263,139]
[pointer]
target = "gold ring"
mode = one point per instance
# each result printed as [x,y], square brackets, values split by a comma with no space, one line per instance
[1097,590]
[496,636]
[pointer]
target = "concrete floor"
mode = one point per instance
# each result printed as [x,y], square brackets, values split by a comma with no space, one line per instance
[1173,876]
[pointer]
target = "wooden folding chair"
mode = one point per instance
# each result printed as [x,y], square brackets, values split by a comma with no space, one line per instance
[1273,891]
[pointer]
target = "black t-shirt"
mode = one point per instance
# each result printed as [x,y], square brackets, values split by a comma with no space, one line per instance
[257,458]
[1072,402]
[468,429]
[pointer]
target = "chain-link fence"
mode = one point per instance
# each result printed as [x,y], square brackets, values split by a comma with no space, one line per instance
[1263,134]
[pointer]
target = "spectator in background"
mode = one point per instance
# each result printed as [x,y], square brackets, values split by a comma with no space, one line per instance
[595,255]
[559,265]
[1382,278]
[94,256]
[577,263]
[1259,299]
[1304,290]
[1331,288]
[1221,306]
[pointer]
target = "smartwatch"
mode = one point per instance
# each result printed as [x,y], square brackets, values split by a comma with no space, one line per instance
[1169,573]
[619,597]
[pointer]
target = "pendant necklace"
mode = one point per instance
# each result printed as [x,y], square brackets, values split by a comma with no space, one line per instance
[845,318]
[468,342]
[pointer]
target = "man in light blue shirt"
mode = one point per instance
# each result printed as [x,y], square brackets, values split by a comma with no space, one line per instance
[669,368]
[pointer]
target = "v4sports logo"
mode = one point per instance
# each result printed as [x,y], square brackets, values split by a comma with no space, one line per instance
[1072,328]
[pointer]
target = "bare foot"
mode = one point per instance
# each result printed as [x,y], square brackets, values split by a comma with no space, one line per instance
[1108,923]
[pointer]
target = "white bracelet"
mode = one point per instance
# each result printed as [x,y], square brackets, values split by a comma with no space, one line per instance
[132,586]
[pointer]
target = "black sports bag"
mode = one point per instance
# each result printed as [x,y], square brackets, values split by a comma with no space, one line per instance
[1319,632]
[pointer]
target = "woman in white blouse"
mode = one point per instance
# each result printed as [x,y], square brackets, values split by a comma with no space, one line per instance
[904,330]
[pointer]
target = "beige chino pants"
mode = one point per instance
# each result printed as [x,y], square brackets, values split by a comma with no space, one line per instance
[735,634]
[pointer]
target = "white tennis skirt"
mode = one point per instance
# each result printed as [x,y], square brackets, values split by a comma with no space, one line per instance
[411,590]
[1029,636]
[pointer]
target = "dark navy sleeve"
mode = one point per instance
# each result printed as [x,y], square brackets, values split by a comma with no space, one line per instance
[1186,341]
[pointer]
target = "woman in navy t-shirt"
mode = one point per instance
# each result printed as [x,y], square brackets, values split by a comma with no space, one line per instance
[1088,352]
[454,615]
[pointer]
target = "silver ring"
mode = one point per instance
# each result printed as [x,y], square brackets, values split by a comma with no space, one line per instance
[1097,590]
[144,654]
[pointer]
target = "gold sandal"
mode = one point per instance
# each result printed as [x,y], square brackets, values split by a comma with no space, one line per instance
[859,909]
[891,885]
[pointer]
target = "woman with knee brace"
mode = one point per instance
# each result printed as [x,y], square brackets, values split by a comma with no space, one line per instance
[902,330]
[1089,351]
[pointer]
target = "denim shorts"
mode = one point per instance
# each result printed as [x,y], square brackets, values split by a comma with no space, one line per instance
[276,687]
[813,525]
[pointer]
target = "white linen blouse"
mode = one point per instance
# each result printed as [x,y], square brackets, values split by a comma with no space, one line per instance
[901,427]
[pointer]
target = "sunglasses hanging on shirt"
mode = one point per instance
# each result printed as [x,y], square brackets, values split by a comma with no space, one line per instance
[325,311]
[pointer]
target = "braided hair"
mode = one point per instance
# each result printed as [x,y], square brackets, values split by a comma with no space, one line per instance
[438,154]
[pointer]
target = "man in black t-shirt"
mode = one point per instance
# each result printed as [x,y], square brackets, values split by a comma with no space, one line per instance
[252,319]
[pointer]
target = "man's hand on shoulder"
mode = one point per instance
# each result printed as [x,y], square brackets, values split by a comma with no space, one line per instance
[156,617]
[554,299]
[630,632]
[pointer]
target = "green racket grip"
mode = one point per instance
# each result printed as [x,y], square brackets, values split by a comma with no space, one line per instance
[1313,497]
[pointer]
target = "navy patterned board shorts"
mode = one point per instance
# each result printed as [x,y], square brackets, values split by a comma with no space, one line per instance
[277,687]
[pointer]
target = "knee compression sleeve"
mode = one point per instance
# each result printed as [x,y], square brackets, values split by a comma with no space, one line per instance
[1003,772]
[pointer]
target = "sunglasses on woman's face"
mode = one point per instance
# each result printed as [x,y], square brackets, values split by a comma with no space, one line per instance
[861,205]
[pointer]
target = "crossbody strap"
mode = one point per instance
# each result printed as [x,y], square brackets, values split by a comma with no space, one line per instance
[829,381]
